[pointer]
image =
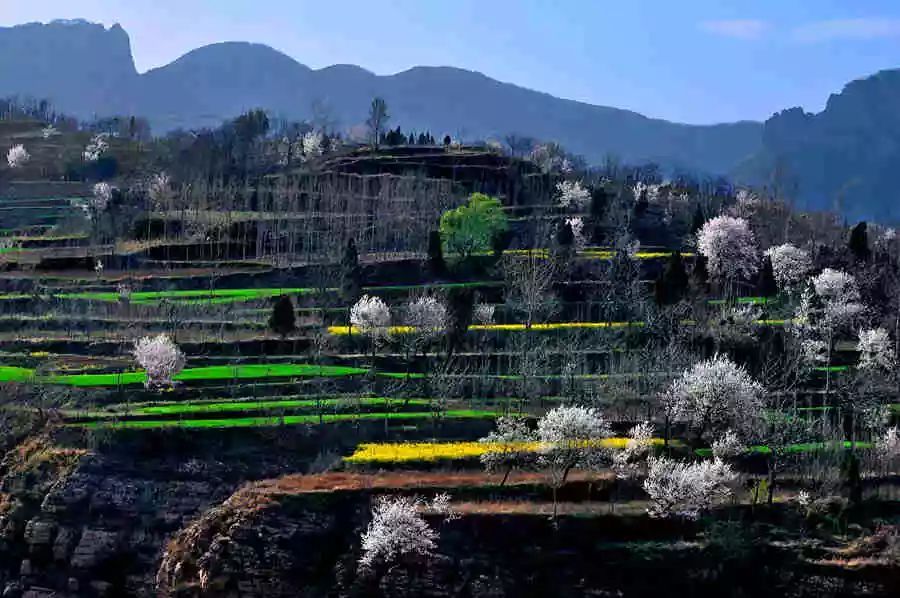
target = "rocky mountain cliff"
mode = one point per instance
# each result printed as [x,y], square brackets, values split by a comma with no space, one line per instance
[844,157]
[86,70]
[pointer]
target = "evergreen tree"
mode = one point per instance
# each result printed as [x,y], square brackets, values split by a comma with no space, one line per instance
[460,305]
[766,286]
[700,275]
[859,242]
[436,263]
[698,220]
[351,277]
[447,140]
[673,282]
[283,320]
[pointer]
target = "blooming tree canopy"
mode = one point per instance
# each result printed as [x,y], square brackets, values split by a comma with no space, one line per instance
[728,446]
[96,147]
[576,224]
[572,194]
[715,395]
[371,316]
[103,193]
[840,297]
[160,358]
[685,489]
[729,248]
[627,462]
[17,156]
[508,445]
[876,351]
[427,313]
[312,144]
[397,530]
[159,190]
[790,265]
[483,313]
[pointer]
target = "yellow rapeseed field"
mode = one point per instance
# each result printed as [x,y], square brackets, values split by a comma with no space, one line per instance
[400,452]
[344,330]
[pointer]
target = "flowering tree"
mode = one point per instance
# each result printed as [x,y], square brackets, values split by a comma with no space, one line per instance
[509,446]
[159,190]
[628,461]
[715,395]
[840,298]
[887,447]
[684,489]
[17,156]
[570,437]
[160,358]
[96,147]
[312,144]
[576,224]
[483,313]
[728,446]
[371,316]
[729,248]
[876,351]
[791,265]
[396,531]
[428,318]
[572,194]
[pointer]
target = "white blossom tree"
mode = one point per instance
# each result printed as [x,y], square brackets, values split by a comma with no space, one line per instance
[96,147]
[17,156]
[483,313]
[372,317]
[627,462]
[572,194]
[160,357]
[576,224]
[729,247]
[159,190]
[570,437]
[791,265]
[728,446]
[887,448]
[876,351]
[715,395]
[427,318]
[840,298]
[686,489]
[397,531]
[312,144]
[509,446]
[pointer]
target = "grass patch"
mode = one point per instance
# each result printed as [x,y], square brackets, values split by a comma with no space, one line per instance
[287,420]
[803,447]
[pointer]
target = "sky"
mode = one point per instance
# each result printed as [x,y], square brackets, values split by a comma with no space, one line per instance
[694,61]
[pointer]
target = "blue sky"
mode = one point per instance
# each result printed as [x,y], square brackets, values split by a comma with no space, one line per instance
[697,61]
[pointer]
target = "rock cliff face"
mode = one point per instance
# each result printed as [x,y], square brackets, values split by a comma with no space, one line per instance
[94,521]
[844,158]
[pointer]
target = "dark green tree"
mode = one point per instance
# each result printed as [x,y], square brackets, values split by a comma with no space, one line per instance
[698,220]
[673,282]
[436,263]
[460,305]
[351,277]
[283,320]
[859,242]
[766,286]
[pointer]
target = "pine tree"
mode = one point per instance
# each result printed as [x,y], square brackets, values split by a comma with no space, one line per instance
[673,282]
[351,277]
[698,220]
[436,263]
[700,275]
[766,286]
[283,321]
[859,242]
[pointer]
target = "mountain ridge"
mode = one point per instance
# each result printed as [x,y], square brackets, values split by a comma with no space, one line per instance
[213,83]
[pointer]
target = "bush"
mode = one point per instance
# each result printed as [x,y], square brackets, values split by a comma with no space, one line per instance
[473,227]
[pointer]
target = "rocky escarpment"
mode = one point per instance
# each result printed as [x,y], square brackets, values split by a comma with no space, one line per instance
[291,538]
[82,515]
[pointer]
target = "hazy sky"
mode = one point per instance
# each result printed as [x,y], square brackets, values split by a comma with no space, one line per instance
[696,61]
